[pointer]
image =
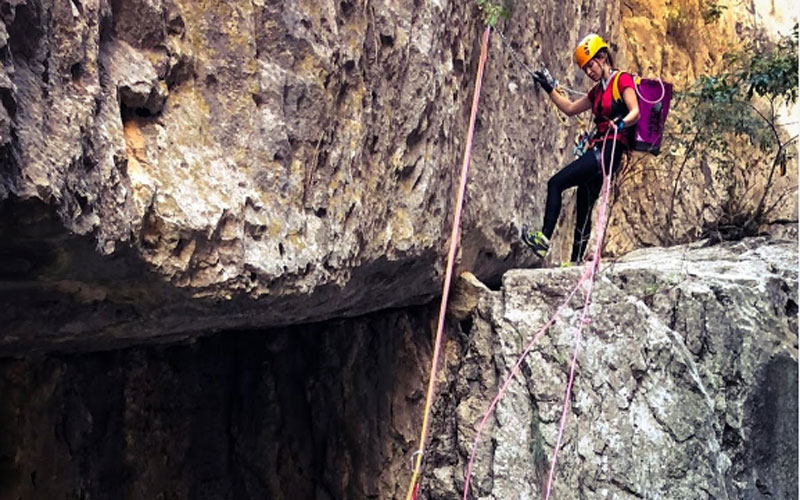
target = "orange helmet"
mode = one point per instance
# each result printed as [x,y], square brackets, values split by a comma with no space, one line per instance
[588,48]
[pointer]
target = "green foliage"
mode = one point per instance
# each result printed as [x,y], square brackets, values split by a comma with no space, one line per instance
[737,106]
[713,12]
[492,12]
[762,68]
[651,289]
[723,103]
[536,449]
[774,72]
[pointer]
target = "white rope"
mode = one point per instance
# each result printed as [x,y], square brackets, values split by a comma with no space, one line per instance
[524,66]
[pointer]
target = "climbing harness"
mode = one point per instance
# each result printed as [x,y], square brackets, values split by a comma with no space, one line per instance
[583,142]
[414,485]
[589,275]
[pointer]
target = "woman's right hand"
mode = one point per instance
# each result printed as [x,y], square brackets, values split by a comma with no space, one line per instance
[544,79]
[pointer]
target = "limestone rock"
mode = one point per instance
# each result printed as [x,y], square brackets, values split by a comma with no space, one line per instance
[686,387]
[686,371]
[134,77]
[465,296]
[200,166]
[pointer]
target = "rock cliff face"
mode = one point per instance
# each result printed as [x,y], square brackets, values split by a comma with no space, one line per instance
[294,161]
[686,388]
[171,169]
[687,372]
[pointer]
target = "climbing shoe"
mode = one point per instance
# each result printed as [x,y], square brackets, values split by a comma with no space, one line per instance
[536,240]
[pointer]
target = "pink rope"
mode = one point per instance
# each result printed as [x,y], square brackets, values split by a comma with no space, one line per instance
[585,314]
[508,379]
[643,98]
[451,255]
[588,274]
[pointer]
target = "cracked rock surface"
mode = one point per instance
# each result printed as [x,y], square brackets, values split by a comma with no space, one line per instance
[687,371]
[686,387]
[238,164]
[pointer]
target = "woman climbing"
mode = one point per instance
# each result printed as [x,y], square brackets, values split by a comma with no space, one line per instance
[594,58]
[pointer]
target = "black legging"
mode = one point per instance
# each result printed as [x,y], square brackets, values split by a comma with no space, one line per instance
[584,173]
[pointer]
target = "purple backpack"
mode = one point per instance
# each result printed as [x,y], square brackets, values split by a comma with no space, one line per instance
[654,97]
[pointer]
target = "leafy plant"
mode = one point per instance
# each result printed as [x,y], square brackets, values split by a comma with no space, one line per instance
[713,12]
[492,12]
[739,105]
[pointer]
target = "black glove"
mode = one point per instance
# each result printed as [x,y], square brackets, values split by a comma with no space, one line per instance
[544,79]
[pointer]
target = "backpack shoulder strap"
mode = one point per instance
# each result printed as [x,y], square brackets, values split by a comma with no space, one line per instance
[615,93]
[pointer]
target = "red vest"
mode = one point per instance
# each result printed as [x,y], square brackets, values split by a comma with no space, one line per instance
[606,109]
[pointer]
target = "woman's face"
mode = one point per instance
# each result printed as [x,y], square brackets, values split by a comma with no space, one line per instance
[594,69]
